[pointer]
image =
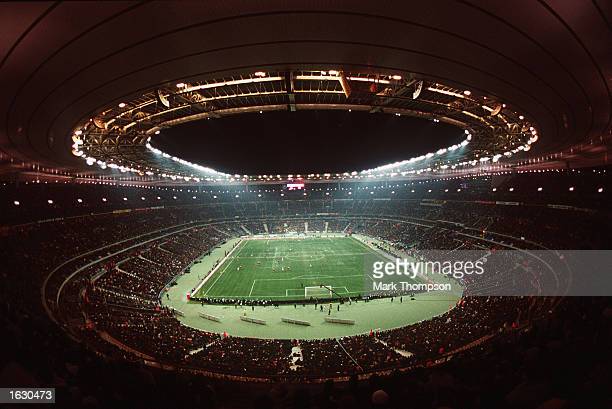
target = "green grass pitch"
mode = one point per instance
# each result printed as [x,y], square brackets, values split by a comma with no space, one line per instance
[280,269]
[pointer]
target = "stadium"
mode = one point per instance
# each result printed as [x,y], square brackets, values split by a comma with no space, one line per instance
[315,205]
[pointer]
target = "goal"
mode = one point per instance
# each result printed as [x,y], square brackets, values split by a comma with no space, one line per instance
[317,292]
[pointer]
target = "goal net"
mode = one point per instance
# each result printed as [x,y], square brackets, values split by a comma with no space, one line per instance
[317,292]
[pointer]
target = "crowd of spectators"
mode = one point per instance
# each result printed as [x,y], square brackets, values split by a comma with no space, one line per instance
[531,340]
[142,278]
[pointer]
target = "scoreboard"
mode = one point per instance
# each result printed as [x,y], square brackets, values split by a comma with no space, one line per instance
[295,184]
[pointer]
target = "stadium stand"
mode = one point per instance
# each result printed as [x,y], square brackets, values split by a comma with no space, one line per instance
[120,296]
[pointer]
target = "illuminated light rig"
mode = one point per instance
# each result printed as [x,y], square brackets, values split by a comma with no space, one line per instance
[119,136]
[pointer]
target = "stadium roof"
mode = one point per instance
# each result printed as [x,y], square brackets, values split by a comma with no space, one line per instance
[62,65]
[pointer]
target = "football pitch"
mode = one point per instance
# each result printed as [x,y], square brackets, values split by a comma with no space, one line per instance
[293,269]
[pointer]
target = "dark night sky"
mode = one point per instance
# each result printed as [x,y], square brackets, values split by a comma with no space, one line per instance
[304,141]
